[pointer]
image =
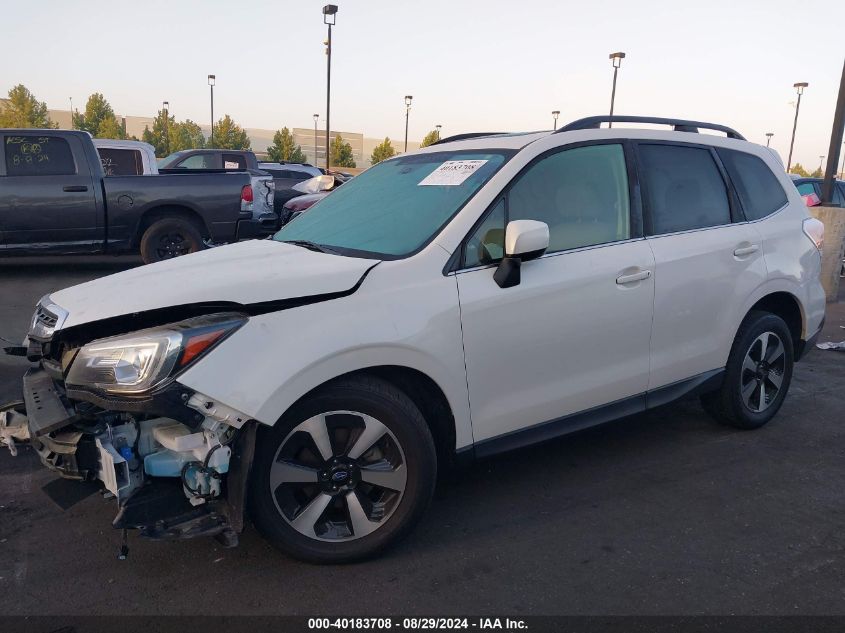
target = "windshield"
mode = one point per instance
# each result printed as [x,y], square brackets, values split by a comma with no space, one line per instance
[396,207]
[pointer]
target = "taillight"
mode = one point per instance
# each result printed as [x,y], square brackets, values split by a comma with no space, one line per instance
[246,194]
[814,229]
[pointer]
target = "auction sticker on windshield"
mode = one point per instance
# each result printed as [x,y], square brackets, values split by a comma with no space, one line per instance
[452,172]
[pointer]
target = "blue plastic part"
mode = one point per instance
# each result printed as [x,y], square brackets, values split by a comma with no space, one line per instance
[125,452]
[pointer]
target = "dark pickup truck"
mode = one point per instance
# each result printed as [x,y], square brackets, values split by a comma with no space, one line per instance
[55,199]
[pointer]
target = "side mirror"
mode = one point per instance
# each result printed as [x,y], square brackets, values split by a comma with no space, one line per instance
[524,240]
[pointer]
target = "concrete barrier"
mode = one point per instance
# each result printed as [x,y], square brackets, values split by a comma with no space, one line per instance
[833,249]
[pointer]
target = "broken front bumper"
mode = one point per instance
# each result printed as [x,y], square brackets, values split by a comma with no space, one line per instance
[170,480]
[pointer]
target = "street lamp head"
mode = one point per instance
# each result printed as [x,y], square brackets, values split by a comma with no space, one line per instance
[408,99]
[770,134]
[616,58]
[316,116]
[555,113]
[437,127]
[212,79]
[799,87]
[165,105]
[329,13]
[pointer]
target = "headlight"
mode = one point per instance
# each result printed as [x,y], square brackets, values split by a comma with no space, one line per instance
[136,363]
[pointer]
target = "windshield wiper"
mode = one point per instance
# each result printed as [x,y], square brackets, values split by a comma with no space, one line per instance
[311,246]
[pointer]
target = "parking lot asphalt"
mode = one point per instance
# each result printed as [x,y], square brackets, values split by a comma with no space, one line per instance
[661,513]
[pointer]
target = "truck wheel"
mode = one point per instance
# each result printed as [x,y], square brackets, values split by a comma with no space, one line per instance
[168,238]
[757,374]
[344,473]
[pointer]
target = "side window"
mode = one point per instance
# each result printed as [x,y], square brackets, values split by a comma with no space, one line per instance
[683,188]
[198,161]
[38,156]
[806,188]
[757,187]
[581,193]
[121,162]
[234,161]
[487,243]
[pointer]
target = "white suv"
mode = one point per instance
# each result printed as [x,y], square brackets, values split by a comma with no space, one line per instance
[481,294]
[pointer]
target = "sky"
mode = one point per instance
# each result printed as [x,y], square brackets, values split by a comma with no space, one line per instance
[470,66]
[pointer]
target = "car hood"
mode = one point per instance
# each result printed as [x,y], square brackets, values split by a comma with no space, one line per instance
[246,273]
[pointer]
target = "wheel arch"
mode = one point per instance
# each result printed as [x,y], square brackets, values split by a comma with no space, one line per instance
[425,393]
[169,210]
[787,306]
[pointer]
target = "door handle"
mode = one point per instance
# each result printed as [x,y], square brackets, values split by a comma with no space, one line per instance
[741,251]
[637,276]
[74,188]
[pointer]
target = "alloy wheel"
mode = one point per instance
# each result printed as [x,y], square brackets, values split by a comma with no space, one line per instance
[762,372]
[338,476]
[172,245]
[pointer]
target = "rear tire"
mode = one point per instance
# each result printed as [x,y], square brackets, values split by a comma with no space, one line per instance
[168,238]
[757,375]
[344,474]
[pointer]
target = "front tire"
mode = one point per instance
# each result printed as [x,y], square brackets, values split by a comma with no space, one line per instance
[757,375]
[344,474]
[168,238]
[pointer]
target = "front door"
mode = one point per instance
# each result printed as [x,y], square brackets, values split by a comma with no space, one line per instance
[47,200]
[574,334]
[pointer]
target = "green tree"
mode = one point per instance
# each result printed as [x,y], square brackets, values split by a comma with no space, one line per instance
[817,174]
[110,128]
[799,170]
[283,148]
[382,151]
[156,137]
[98,118]
[230,135]
[185,135]
[24,110]
[430,138]
[341,153]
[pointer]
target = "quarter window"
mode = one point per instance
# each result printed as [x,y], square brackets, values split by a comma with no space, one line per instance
[33,155]
[757,187]
[581,193]
[683,188]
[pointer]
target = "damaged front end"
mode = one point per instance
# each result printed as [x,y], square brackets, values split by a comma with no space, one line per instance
[111,410]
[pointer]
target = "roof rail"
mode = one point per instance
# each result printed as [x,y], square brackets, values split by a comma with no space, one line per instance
[463,137]
[679,125]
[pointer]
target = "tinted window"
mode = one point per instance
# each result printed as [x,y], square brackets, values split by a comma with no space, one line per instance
[38,156]
[121,162]
[806,188]
[683,188]
[198,161]
[487,242]
[233,161]
[757,187]
[581,193]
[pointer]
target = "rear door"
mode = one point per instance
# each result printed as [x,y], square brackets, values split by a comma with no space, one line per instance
[708,260]
[47,196]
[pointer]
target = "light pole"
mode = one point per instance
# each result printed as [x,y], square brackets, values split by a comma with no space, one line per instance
[316,118]
[821,163]
[616,60]
[71,113]
[769,136]
[408,99]
[799,88]
[555,115]
[437,127]
[329,17]
[212,79]
[165,106]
